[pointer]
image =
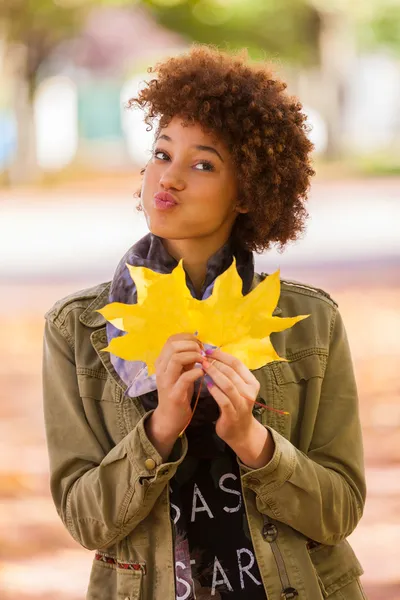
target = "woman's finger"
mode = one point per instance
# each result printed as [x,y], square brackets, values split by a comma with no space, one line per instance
[180,388]
[235,364]
[174,344]
[177,364]
[227,407]
[225,384]
[242,387]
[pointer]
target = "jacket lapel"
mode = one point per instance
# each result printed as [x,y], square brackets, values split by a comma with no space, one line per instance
[98,337]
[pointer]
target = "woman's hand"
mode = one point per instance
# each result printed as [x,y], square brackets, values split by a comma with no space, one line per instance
[235,389]
[175,376]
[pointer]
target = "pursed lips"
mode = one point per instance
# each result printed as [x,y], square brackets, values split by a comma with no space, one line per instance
[164,200]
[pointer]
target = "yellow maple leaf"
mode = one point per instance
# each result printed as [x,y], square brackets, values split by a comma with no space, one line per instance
[239,325]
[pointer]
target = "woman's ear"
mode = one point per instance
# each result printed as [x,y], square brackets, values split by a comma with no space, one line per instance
[241,209]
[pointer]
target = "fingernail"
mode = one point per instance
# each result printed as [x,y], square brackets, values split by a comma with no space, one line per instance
[207,379]
[209,351]
[209,384]
[206,364]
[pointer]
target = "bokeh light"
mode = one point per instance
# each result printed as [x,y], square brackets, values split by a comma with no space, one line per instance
[56,123]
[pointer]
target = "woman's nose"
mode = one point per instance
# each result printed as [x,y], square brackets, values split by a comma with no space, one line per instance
[171,178]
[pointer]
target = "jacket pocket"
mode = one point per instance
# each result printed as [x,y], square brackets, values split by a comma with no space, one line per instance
[103,409]
[352,591]
[96,388]
[298,384]
[114,582]
[299,369]
[338,570]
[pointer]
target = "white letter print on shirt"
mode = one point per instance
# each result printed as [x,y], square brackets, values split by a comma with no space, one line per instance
[247,567]
[205,507]
[185,583]
[236,492]
[177,513]
[224,579]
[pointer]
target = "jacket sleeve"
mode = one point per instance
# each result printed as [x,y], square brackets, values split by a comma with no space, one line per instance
[100,498]
[322,493]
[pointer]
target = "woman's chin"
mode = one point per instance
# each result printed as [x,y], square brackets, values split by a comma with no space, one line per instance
[164,226]
[164,230]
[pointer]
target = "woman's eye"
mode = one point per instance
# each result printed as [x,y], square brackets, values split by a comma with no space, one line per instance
[159,152]
[207,165]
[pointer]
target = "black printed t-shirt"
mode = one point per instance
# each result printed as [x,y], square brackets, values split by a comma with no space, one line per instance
[212,527]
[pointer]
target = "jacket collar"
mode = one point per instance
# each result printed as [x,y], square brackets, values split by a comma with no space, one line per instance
[90,318]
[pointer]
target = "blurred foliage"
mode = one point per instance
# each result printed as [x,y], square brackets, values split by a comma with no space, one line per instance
[353,164]
[36,27]
[382,29]
[280,31]
[380,164]
[287,29]
[376,23]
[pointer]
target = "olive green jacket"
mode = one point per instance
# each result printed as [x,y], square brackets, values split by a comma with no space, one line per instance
[110,485]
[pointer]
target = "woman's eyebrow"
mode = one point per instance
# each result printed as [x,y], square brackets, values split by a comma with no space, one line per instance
[198,146]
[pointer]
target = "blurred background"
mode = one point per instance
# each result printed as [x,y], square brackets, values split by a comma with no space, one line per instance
[70,155]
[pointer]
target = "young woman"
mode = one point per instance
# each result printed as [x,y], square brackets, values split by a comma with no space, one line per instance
[249,502]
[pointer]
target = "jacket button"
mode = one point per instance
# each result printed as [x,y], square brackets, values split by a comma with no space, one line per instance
[149,463]
[270,532]
[289,594]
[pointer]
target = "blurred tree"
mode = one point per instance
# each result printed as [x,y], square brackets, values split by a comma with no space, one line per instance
[379,25]
[345,28]
[302,33]
[282,29]
[32,29]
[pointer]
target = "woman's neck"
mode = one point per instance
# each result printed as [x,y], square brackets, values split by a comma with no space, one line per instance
[195,254]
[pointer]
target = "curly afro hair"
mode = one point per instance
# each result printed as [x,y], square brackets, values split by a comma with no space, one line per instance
[263,127]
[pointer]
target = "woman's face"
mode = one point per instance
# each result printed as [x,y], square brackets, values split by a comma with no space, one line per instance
[197,170]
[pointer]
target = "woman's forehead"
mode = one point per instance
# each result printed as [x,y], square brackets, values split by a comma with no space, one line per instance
[176,131]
